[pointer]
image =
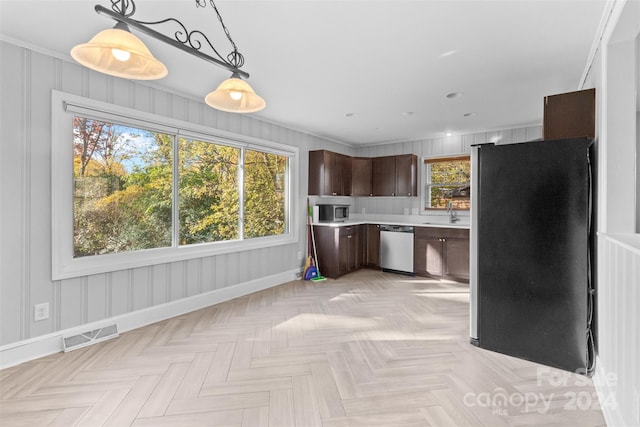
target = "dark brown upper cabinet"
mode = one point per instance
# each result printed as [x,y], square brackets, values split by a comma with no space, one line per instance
[570,115]
[395,175]
[334,174]
[406,175]
[344,163]
[361,180]
[384,176]
[329,174]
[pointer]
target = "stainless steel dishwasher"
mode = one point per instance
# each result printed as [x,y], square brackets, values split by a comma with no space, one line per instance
[396,248]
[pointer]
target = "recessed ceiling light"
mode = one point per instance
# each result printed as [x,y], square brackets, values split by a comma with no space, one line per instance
[454,95]
[470,114]
[448,133]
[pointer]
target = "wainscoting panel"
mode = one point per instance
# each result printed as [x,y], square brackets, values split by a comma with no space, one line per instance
[618,321]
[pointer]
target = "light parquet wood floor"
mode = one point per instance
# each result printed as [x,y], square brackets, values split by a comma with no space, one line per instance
[370,349]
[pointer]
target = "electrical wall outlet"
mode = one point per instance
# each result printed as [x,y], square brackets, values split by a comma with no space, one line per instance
[41,312]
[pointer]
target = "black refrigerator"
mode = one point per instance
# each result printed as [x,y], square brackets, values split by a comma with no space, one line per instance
[531,286]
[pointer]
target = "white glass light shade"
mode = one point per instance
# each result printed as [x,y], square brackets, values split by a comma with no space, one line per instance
[235,96]
[107,53]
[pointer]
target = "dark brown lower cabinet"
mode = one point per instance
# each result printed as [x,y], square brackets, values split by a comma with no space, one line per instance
[340,249]
[438,252]
[428,253]
[373,246]
[441,253]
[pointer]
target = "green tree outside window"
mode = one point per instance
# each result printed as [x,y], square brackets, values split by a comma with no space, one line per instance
[123,190]
[447,180]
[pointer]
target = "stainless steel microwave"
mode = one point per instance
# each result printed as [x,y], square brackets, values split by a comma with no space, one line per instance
[333,213]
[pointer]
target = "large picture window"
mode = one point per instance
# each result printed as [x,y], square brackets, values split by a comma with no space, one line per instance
[122,188]
[446,181]
[145,193]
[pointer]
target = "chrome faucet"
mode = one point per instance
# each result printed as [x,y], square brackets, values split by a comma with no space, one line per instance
[453,216]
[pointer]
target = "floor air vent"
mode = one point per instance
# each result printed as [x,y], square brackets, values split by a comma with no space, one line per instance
[84,339]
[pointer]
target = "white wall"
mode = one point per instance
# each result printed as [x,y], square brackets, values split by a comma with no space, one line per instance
[614,74]
[27,79]
[456,144]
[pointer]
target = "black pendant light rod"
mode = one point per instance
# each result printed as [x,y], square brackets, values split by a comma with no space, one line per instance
[159,36]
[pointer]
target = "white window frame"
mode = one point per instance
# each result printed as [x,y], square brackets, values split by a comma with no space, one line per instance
[423,184]
[64,265]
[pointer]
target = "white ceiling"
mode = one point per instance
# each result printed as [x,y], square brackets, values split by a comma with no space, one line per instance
[390,63]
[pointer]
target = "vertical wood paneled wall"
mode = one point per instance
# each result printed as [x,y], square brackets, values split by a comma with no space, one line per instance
[618,340]
[27,78]
[457,144]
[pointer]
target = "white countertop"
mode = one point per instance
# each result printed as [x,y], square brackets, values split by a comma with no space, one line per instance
[440,222]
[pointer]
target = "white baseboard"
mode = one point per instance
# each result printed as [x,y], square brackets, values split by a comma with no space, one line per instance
[34,348]
[606,387]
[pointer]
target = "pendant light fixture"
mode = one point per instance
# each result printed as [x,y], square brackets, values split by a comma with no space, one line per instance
[120,53]
[235,96]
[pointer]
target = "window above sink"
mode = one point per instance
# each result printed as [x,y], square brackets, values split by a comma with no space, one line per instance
[446,181]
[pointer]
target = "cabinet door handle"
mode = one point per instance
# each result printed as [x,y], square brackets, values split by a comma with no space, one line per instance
[334,194]
[409,194]
[348,237]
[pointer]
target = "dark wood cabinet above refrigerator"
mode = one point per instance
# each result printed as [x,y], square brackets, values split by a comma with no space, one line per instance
[570,115]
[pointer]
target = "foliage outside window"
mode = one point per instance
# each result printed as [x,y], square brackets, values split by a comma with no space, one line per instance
[121,200]
[447,179]
[209,194]
[124,190]
[264,193]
